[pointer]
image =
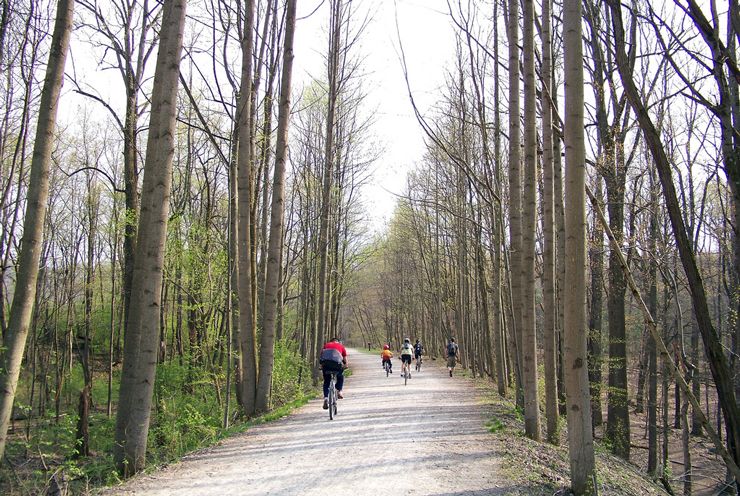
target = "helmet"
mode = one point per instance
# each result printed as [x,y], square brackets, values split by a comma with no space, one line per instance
[406,340]
[386,347]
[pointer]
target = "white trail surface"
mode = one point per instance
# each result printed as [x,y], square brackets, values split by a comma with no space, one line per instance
[424,438]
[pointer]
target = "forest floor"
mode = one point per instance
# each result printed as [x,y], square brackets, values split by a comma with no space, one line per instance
[435,436]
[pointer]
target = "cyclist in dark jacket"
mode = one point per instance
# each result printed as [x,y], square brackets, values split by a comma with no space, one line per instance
[451,353]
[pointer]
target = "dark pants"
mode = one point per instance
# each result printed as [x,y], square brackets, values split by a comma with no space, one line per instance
[327,380]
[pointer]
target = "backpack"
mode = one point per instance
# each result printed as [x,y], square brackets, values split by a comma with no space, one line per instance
[451,349]
[331,359]
[406,349]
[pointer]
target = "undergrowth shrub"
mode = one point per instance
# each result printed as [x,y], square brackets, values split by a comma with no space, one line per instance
[187,414]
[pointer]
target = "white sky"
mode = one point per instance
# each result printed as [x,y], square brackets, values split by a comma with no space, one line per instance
[428,42]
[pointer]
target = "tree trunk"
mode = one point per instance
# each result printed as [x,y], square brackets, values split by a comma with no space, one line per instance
[696,429]
[652,276]
[140,343]
[580,440]
[515,201]
[329,158]
[596,257]
[274,250]
[496,221]
[247,331]
[82,437]
[33,226]
[618,424]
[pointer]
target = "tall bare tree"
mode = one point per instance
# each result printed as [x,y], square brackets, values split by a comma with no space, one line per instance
[244,181]
[548,230]
[142,333]
[529,214]
[277,220]
[33,226]
[515,201]
[580,440]
[333,67]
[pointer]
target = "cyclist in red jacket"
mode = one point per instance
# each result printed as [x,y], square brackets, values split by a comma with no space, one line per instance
[333,359]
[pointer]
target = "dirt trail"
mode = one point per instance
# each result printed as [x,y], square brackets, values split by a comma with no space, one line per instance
[425,438]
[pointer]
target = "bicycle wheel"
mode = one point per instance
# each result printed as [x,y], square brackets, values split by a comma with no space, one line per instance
[406,375]
[332,397]
[387,369]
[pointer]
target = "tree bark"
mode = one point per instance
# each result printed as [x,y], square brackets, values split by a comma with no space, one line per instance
[580,440]
[496,222]
[529,213]
[548,229]
[596,257]
[142,333]
[652,379]
[245,278]
[329,159]
[274,250]
[33,226]
[515,201]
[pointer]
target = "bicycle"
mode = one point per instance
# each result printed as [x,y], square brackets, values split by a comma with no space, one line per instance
[418,363]
[406,373]
[387,367]
[333,396]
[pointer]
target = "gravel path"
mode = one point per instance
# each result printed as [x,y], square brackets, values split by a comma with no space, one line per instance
[425,438]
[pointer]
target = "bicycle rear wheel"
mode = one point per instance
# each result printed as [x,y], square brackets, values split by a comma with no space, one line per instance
[332,397]
[406,376]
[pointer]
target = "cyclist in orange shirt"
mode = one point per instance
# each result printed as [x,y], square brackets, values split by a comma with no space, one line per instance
[386,356]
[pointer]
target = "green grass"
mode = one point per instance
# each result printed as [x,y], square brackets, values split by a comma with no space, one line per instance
[494,425]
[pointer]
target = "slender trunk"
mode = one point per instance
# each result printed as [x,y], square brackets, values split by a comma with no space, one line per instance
[496,221]
[548,229]
[652,467]
[33,226]
[326,196]
[575,360]
[560,258]
[696,429]
[142,333]
[274,262]
[596,257]
[515,201]
[245,277]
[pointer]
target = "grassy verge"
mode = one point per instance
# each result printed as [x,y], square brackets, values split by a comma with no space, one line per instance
[187,415]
